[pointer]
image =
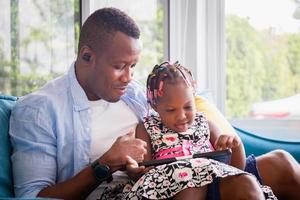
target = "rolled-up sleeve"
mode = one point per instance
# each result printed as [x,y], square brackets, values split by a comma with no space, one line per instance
[34,150]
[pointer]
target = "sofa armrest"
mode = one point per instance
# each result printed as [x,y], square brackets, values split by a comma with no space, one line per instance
[6,186]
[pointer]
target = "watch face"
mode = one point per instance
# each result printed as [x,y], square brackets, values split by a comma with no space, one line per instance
[102,172]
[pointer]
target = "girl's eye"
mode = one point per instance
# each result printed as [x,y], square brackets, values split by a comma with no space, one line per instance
[170,110]
[188,107]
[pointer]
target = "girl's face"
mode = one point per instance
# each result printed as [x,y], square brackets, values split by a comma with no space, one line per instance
[176,106]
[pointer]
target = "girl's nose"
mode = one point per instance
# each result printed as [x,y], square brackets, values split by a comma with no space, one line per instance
[181,115]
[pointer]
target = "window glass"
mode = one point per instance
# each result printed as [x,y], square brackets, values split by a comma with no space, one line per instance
[38,41]
[149,16]
[263,66]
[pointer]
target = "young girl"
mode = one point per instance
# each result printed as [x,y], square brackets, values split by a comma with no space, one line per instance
[178,130]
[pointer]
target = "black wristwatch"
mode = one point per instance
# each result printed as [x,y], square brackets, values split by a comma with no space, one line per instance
[101,172]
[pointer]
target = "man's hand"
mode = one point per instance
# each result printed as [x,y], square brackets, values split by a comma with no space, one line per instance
[227,141]
[126,145]
[133,169]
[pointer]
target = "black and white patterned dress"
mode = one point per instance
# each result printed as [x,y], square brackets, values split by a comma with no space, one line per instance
[166,180]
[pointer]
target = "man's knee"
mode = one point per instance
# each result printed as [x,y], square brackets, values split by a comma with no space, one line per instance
[288,165]
[280,154]
[241,187]
[282,164]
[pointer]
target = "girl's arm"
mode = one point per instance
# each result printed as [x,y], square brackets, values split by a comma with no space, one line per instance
[133,170]
[142,134]
[222,141]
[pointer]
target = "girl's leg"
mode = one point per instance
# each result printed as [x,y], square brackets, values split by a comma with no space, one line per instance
[279,170]
[240,187]
[192,193]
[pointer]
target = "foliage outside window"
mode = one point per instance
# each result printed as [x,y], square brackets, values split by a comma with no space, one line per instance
[263,63]
[38,41]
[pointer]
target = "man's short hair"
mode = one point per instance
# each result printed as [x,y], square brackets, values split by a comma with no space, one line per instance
[101,26]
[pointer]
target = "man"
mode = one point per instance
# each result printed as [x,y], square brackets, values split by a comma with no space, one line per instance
[70,136]
[53,132]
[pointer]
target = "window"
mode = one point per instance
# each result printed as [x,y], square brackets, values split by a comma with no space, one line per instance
[151,19]
[38,41]
[263,66]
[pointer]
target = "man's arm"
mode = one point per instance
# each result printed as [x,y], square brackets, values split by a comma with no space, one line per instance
[82,184]
[34,158]
[77,187]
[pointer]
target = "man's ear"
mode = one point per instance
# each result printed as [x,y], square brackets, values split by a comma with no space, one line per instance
[86,57]
[86,54]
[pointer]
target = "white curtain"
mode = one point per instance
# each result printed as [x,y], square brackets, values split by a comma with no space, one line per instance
[197,42]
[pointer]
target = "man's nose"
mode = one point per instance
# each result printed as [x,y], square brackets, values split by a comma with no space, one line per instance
[127,74]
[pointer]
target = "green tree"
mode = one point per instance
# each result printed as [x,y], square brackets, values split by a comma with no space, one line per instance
[55,18]
[261,65]
[293,59]
[4,70]
[244,69]
[275,65]
[15,42]
[152,35]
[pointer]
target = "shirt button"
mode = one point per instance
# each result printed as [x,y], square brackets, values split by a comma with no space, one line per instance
[89,111]
[87,129]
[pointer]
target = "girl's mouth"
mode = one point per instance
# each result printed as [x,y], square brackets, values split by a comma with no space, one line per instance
[182,127]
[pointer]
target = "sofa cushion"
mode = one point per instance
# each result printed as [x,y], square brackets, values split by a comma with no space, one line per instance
[6,185]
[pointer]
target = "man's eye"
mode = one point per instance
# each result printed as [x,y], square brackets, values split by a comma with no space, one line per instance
[118,67]
[132,66]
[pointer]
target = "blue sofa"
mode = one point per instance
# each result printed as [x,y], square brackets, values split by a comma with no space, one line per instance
[257,145]
[253,144]
[6,184]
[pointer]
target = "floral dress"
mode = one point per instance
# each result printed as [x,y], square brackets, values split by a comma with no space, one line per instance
[165,181]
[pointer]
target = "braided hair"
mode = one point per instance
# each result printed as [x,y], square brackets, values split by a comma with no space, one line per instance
[166,72]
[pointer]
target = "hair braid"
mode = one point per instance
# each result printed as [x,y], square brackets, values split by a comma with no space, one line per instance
[166,72]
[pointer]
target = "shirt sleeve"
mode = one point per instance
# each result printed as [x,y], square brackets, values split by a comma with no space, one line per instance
[34,150]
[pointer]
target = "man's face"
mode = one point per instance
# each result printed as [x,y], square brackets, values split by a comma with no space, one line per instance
[113,68]
[176,106]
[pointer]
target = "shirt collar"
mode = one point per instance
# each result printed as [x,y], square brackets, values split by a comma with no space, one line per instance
[79,97]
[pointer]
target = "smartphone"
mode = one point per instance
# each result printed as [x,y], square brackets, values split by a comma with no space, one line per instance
[222,156]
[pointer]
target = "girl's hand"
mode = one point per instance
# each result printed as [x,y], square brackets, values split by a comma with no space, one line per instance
[227,141]
[134,171]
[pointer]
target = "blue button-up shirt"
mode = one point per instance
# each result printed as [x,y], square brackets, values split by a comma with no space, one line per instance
[49,133]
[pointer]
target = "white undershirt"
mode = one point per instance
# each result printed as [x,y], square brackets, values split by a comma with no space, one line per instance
[108,122]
